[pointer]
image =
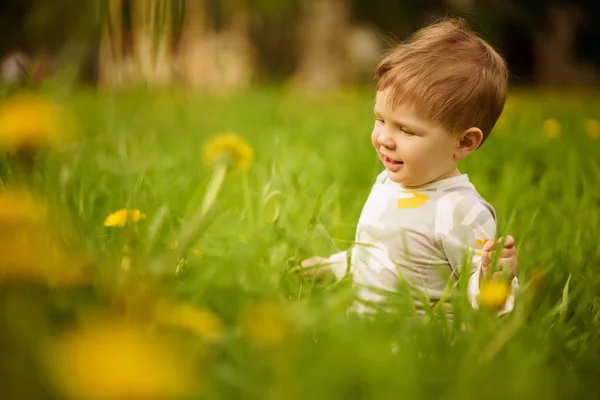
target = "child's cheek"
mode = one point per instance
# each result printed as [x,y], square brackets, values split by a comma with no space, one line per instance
[374,136]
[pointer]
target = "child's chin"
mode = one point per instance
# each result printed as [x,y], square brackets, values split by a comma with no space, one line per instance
[395,177]
[398,178]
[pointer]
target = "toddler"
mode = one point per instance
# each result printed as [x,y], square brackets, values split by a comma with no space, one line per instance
[438,97]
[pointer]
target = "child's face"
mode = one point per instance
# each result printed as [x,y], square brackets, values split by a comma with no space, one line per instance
[413,149]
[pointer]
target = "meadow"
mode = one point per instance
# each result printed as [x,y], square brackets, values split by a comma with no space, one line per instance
[196,295]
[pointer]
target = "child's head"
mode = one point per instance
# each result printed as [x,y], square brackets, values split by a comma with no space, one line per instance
[439,95]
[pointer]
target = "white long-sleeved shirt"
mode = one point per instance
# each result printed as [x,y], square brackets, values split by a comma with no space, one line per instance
[422,236]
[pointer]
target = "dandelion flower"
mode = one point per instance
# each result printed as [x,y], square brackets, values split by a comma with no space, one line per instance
[31,121]
[30,249]
[493,294]
[197,253]
[133,365]
[19,207]
[121,217]
[230,149]
[200,321]
[552,128]
[592,128]
[265,323]
[35,254]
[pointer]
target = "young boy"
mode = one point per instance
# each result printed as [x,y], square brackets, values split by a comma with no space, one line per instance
[439,95]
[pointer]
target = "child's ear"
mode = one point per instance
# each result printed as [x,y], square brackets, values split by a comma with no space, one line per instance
[468,142]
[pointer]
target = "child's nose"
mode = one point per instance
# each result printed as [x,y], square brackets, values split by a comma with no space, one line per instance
[384,139]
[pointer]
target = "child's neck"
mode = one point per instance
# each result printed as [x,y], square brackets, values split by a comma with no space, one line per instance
[451,174]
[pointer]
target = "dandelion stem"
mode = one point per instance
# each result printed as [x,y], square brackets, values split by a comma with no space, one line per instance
[213,188]
[190,231]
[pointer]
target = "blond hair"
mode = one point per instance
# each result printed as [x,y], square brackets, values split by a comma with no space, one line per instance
[450,74]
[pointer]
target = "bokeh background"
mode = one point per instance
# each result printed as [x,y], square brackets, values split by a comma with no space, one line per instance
[232,44]
[166,164]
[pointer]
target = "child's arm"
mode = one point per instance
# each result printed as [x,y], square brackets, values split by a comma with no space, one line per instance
[474,289]
[320,266]
[507,260]
[506,270]
[467,236]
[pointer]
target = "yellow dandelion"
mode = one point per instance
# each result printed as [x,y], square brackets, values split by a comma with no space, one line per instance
[592,128]
[18,207]
[230,149]
[31,121]
[493,294]
[124,216]
[265,323]
[33,254]
[30,250]
[112,359]
[552,128]
[200,321]
[197,253]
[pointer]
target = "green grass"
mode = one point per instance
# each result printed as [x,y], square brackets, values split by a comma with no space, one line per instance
[313,170]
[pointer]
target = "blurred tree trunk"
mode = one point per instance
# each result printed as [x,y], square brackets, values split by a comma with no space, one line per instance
[216,60]
[111,49]
[152,32]
[192,55]
[142,56]
[323,30]
[554,50]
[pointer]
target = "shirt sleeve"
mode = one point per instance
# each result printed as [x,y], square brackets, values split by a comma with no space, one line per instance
[340,263]
[464,224]
[473,293]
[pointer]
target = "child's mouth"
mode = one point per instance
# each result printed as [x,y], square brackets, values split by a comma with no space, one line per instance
[391,164]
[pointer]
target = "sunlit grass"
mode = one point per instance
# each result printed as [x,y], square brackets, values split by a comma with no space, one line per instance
[268,333]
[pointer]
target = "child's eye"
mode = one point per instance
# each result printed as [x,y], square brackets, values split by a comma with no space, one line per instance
[379,121]
[407,133]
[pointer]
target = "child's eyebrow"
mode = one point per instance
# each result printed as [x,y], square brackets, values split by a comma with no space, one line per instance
[400,123]
[406,127]
[377,113]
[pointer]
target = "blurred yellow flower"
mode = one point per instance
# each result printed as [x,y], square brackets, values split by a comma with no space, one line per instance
[230,149]
[121,217]
[30,249]
[200,321]
[265,323]
[592,128]
[552,128]
[111,359]
[32,121]
[197,252]
[493,294]
[18,206]
[34,254]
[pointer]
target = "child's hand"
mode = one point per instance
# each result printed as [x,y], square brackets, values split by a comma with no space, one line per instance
[507,263]
[314,267]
